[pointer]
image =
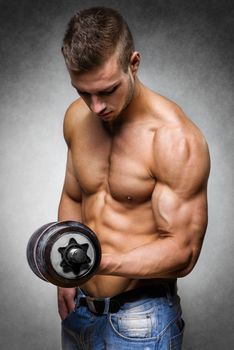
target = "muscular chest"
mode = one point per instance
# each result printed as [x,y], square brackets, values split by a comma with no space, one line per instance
[119,165]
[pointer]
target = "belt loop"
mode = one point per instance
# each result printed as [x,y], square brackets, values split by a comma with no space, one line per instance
[77,299]
[79,295]
[107,306]
[169,294]
[90,304]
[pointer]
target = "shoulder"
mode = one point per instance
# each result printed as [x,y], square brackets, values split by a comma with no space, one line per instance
[181,155]
[75,115]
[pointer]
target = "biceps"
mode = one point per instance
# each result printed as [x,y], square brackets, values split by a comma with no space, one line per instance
[70,202]
[71,186]
[184,220]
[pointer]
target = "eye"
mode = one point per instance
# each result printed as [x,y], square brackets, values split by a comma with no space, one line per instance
[84,94]
[110,92]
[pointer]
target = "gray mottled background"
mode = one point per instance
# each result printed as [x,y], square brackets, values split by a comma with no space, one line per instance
[187,55]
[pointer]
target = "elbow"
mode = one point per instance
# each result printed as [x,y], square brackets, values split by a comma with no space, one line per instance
[189,262]
[184,272]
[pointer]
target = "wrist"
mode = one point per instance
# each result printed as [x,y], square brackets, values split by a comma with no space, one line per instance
[110,264]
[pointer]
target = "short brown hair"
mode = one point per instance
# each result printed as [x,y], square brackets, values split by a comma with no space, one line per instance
[93,35]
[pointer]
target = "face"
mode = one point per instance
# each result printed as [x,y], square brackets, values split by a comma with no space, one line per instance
[107,90]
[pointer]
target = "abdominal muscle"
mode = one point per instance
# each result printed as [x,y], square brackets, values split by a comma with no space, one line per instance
[119,230]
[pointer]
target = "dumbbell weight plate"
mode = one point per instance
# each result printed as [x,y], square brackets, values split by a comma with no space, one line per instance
[83,235]
[47,258]
[32,250]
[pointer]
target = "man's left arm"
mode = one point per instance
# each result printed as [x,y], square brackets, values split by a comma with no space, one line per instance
[179,203]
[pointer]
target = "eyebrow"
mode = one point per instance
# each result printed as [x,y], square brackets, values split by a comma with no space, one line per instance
[107,89]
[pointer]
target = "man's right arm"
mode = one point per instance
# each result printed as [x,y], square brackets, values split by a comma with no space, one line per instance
[70,202]
[69,209]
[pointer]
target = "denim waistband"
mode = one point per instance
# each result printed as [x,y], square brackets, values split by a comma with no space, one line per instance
[102,306]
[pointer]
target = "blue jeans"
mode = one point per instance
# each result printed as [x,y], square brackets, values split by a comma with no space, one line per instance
[147,324]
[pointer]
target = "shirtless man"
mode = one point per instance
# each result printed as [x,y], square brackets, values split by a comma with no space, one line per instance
[136,174]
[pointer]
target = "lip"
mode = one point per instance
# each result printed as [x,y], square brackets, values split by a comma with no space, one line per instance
[104,115]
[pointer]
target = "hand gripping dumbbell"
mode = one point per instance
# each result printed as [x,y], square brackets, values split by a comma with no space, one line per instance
[65,253]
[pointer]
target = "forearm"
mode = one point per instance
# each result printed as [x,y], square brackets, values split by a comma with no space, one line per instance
[163,258]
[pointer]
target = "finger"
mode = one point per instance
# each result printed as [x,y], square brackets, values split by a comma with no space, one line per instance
[62,307]
[70,303]
[63,310]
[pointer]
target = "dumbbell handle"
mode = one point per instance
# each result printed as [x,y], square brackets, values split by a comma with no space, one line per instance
[76,256]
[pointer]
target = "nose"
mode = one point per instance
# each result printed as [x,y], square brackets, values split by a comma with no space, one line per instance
[97,105]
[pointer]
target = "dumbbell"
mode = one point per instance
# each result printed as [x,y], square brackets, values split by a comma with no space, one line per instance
[65,253]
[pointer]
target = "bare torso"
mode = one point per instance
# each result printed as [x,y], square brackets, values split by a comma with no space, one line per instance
[115,173]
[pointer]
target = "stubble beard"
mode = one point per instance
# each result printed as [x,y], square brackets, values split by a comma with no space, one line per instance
[129,97]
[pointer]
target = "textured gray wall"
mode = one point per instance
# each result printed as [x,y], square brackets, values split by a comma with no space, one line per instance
[187,55]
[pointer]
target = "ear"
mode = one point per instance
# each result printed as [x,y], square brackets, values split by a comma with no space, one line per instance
[135,62]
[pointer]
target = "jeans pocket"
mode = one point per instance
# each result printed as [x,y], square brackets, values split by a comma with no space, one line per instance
[176,340]
[135,323]
[68,316]
[135,327]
